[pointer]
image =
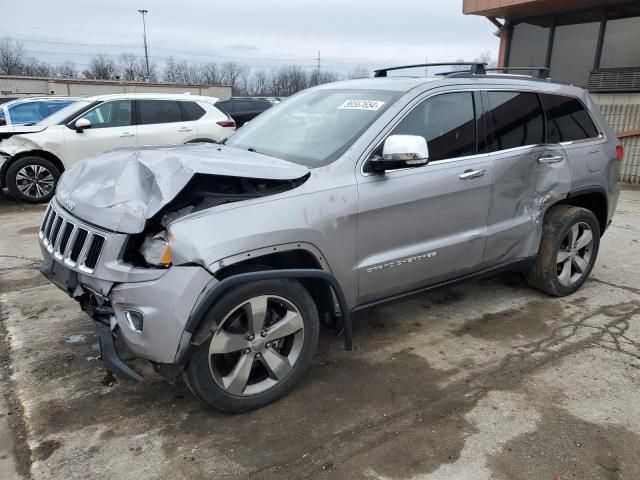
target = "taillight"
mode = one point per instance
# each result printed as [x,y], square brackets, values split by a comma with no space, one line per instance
[620,152]
[226,123]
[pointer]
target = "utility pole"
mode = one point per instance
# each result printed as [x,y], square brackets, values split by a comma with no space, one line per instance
[318,73]
[143,12]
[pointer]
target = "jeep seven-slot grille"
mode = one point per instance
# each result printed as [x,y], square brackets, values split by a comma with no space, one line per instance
[69,242]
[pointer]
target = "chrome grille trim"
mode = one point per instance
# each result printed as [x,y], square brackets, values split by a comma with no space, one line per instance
[53,234]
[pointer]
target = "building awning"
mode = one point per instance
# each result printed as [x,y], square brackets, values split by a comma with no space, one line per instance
[514,9]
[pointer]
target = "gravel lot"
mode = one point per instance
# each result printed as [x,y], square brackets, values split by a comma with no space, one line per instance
[486,380]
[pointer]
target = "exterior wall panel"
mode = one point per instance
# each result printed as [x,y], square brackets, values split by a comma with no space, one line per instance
[623,113]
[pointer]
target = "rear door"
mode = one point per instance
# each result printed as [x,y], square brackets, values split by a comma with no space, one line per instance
[529,174]
[162,122]
[111,127]
[420,226]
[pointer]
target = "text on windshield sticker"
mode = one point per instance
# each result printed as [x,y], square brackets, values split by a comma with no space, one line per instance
[372,105]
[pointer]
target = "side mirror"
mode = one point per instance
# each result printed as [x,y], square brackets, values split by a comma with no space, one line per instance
[82,124]
[402,151]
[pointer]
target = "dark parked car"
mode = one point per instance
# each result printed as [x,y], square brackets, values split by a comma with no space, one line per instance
[243,109]
[7,99]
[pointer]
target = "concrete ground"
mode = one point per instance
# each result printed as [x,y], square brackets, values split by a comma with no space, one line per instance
[487,380]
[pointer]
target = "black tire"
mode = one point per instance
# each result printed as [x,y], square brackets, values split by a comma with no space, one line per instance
[14,183]
[198,375]
[545,273]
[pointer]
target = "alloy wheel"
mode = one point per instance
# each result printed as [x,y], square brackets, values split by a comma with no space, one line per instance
[35,181]
[256,345]
[574,255]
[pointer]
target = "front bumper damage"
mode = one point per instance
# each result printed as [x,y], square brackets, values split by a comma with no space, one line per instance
[162,298]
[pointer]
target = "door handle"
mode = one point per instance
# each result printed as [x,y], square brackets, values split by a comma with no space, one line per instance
[472,174]
[550,159]
[127,135]
[184,129]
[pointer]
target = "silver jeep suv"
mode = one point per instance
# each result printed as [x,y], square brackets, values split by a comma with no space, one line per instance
[217,262]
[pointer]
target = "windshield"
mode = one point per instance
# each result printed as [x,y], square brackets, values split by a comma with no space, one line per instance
[313,128]
[2,119]
[65,112]
[32,112]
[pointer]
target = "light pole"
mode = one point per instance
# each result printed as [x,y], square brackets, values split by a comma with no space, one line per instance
[143,12]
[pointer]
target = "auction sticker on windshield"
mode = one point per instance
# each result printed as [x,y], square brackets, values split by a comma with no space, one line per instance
[372,105]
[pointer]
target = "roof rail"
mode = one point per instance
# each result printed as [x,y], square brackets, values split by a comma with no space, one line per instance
[543,72]
[475,68]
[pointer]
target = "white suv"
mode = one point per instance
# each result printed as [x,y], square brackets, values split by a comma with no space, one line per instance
[31,162]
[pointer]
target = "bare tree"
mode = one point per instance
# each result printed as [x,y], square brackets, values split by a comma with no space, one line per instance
[171,71]
[259,84]
[11,57]
[100,68]
[486,57]
[359,72]
[210,74]
[232,73]
[65,70]
[128,64]
[34,68]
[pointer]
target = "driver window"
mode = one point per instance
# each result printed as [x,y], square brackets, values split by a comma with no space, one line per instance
[447,122]
[110,114]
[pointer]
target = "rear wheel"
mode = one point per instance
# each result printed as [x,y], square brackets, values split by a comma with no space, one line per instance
[568,251]
[262,342]
[32,179]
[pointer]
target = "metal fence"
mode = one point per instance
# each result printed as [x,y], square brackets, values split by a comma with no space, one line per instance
[623,118]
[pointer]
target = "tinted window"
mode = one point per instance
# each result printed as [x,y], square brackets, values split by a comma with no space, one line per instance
[2,119]
[158,111]
[226,106]
[242,106]
[33,112]
[110,114]
[573,52]
[260,105]
[192,111]
[447,122]
[517,119]
[567,119]
[621,47]
[528,46]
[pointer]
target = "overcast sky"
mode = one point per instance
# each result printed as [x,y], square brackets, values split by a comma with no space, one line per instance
[260,33]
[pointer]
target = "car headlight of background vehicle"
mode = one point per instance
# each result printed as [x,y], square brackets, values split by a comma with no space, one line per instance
[155,249]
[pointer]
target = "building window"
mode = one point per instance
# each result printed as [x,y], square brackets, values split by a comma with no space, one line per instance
[529,44]
[573,52]
[621,47]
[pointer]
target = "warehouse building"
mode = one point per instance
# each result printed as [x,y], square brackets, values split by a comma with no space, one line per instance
[594,44]
[10,85]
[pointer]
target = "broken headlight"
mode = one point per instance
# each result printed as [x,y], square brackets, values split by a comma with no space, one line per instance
[155,249]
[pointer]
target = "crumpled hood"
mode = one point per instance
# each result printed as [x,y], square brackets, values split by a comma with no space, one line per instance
[119,190]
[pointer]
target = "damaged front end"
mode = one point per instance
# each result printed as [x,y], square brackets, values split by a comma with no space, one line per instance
[106,238]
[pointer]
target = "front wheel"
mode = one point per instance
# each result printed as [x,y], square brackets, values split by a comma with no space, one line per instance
[263,338]
[568,251]
[32,179]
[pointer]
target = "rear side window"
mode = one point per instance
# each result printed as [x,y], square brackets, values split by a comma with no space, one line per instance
[567,119]
[158,111]
[517,120]
[226,106]
[192,111]
[242,106]
[447,122]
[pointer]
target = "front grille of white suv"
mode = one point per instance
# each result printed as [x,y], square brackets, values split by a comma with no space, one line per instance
[68,241]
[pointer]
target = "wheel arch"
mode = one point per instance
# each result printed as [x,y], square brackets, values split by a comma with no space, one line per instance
[31,153]
[325,280]
[593,199]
